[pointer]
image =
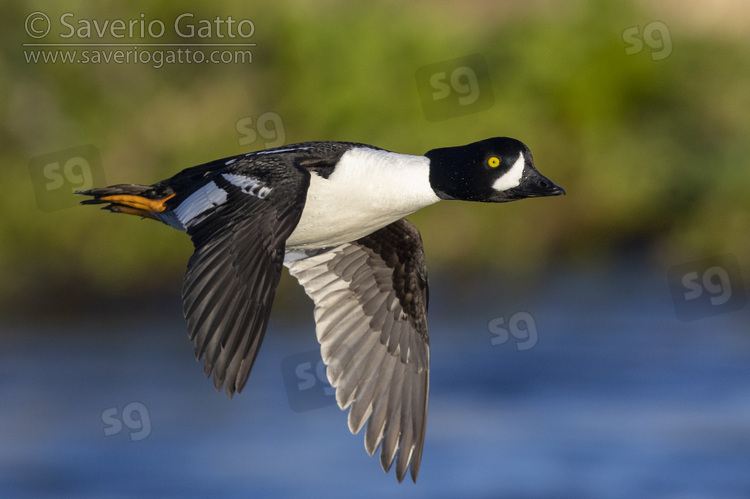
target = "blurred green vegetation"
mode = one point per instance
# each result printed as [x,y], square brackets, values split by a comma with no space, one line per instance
[654,154]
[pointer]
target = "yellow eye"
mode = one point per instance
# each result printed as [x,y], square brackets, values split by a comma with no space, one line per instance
[493,162]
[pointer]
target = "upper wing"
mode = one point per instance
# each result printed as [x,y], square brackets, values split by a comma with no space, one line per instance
[238,221]
[370,311]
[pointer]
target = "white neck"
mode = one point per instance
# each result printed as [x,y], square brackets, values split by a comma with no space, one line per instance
[368,190]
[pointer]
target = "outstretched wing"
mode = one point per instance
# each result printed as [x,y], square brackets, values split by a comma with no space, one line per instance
[239,222]
[370,311]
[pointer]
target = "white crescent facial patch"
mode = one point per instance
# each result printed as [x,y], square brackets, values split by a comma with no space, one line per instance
[511,178]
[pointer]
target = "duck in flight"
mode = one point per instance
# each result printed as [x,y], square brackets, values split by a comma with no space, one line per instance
[333,213]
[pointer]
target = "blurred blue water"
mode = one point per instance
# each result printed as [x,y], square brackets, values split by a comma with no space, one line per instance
[617,398]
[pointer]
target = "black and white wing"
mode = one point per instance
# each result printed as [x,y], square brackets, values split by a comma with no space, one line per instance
[238,221]
[370,311]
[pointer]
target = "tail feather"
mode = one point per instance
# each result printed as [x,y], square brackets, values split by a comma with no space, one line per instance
[113,190]
[131,199]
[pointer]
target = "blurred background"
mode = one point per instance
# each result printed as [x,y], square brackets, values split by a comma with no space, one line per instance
[592,345]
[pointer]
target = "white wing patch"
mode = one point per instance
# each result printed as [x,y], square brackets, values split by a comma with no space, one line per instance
[249,185]
[206,198]
[511,178]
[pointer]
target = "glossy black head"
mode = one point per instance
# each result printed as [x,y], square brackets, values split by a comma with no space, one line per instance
[493,170]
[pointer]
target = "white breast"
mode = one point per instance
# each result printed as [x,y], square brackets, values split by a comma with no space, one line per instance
[368,190]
